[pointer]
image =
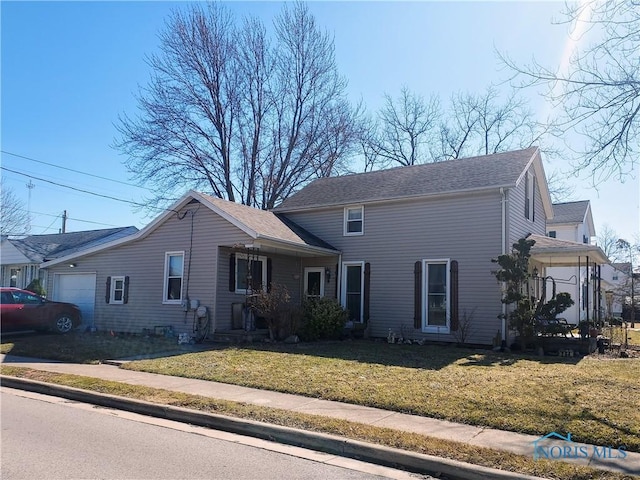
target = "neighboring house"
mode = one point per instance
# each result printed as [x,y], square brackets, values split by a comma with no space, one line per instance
[407,249]
[573,221]
[616,279]
[21,259]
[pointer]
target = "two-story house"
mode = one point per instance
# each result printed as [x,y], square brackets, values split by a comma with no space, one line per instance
[407,249]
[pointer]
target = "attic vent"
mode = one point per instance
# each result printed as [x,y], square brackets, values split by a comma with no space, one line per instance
[193,200]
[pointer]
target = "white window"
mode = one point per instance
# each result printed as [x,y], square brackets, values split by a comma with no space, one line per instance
[436,296]
[314,282]
[251,273]
[117,290]
[352,291]
[173,273]
[354,220]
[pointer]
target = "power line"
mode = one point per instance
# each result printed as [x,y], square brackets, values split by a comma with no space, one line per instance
[136,204]
[69,218]
[73,170]
[74,188]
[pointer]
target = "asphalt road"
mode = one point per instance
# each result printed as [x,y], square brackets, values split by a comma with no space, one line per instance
[51,438]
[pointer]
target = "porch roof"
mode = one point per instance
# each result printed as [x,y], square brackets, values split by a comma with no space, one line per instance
[552,252]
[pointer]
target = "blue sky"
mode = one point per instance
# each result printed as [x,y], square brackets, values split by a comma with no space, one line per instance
[70,68]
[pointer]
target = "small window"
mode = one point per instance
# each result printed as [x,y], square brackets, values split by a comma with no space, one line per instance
[552,234]
[173,272]
[354,220]
[117,290]
[314,282]
[251,273]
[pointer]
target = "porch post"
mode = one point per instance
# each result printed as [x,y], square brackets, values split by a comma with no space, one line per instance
[599,293]
[586,290]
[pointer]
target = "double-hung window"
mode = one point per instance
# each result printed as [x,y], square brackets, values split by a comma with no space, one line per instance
[251,273]
[117,290]
[354,220]
[173,275]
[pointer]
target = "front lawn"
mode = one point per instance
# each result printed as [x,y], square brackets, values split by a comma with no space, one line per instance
[593,399]
[82,347]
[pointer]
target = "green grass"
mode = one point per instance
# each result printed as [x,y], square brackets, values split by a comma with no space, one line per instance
[592,398]
[383,436]
[86,347]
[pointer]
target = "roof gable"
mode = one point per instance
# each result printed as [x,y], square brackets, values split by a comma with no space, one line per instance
[451,176]
[258,224]
[572,213]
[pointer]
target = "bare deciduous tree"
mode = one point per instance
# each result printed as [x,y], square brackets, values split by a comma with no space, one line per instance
[237,113]
[607,239]
[14,217]
[482,124]
[405,130]
[599,92]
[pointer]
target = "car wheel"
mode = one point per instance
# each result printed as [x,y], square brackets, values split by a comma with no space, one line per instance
[63,323]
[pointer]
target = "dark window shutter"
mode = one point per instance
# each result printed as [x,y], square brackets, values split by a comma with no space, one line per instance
[453,278]
[125,294]
[269,269]
[417,295]
[367,290]
[338,280]
[107,296]
[232,273]
[533,200]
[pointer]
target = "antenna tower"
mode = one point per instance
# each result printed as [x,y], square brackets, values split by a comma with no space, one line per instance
[30,186]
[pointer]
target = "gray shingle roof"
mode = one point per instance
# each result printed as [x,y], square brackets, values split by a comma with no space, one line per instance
[267,224]
[475,173]
[569,212]
[39,248]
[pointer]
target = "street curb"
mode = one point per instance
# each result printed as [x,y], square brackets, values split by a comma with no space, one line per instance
[333,444]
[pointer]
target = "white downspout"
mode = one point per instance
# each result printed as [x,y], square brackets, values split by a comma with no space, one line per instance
[503,193]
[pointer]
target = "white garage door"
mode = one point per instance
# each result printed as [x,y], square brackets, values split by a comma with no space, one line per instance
[78,288]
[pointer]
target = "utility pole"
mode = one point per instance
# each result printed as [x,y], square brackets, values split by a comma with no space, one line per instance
[64,222]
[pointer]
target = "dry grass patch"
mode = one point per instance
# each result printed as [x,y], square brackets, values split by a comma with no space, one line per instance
[592,399]
[382,436]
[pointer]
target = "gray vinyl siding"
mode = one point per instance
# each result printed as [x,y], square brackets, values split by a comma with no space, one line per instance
[143,261]
[397,234]
[518,226]
[285,271]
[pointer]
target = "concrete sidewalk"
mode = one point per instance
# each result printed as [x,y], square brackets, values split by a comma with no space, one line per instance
[485,437]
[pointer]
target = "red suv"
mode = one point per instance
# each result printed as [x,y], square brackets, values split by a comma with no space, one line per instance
[24,310]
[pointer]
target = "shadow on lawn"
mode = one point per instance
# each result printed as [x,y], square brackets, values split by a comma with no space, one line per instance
[427,357]
[83,347]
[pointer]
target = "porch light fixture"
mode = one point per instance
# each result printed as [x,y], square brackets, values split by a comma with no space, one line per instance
[327,273]
[535,272]
[72,265]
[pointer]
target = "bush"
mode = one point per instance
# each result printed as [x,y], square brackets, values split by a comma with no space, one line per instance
[36,287]
[324,318]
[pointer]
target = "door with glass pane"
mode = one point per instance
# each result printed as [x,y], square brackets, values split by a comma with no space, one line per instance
[437,295]
[352,293]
